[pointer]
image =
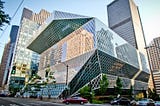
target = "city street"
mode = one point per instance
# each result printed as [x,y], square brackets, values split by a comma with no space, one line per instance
[6,101]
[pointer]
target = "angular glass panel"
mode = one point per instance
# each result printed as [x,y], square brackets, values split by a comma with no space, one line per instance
[54,32]
[112,44]
[144,63]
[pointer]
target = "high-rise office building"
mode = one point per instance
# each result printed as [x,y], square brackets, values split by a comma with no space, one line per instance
[153,51]
[77,50]
[124,19]
[7,55]
[4,63]
[25,60]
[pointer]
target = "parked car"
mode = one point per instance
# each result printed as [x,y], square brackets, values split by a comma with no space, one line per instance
[157,103]
[120,101]
[133,103]
[2,95]
[145,102]
[78,100]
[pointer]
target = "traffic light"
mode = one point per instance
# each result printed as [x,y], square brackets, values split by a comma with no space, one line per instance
[13,70]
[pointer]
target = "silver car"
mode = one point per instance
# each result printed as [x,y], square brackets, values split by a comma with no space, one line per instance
[145,102]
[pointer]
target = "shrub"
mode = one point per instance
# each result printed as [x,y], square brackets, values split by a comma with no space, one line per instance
[94,101]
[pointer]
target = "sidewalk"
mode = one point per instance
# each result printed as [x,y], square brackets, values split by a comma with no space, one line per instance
[54,100]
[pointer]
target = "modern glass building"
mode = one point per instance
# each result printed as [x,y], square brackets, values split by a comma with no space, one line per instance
[79,49]
[3,68]
[7,56]
[25,60]
[124,19]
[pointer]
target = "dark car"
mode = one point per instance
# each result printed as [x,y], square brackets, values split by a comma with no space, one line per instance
[75,100]
[145,102]
[157,103]
[120,101]
[2,95]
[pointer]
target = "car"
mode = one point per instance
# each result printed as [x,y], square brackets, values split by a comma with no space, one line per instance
[157,103]
[145,102]
[120,101]
[2,95]
[133,103]
[75,100]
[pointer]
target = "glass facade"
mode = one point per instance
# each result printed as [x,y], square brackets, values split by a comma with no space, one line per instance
[25,59]
[89,49]
[128,23]
[12,43]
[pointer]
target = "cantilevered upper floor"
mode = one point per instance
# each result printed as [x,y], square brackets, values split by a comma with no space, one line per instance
[68,40]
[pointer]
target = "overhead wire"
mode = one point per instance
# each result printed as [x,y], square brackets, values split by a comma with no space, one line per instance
[2,43]
[12,17]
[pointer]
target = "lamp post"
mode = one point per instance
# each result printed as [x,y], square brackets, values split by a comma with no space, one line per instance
[66,73]
[66,79]
[67,76]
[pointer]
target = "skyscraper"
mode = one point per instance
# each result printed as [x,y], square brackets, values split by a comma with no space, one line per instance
[4,63]
[7,56]
[154,60]
[26,60]
[124,19]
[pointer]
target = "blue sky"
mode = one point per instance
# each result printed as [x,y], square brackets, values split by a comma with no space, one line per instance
[149,12]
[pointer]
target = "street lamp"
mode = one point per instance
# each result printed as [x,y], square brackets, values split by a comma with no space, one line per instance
[66,79]
[66,73]
[67,76]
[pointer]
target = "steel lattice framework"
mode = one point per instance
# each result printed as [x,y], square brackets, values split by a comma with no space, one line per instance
[90,49]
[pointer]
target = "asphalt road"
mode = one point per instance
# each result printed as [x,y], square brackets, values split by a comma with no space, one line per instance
[6,101]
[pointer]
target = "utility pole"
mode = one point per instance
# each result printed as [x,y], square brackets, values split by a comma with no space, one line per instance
[67,76]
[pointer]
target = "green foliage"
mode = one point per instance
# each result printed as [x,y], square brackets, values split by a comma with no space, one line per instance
[111,97]
[26,87]
[47,71]
[48,68]
[152,94]
[13,90]
[37,76]
[103,84]
[87,93]
[130,92]
[118,87]
[94,101]
[4,18]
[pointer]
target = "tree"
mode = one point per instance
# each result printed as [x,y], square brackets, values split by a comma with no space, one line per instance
[130,91]
[118,87]
[152,94]
[4,18]
[103,84]
[47,70]
[86,93]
